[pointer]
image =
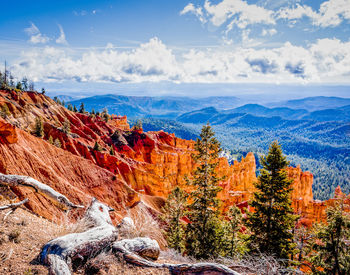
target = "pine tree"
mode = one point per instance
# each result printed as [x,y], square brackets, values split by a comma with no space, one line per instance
[97,147]
[175,209]
[4,112]
[39,128]
[204,234]
[82,108]
[111,151]
[75,109]
[330,248]
[234,242]
[50,140]
[272,220]
[70,107]
[66,126]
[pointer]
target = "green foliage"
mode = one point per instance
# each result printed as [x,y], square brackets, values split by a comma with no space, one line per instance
[273,219]
[50,140]
[57,100]
[137,125]
[70,107]
[82,108]
[75,109]
[234,240]
[175,209]
[43,90]
[4,112]
[204,235]
[19,85]
[330,247]
[111,151]
[66,126]
[97,147]
[39,128]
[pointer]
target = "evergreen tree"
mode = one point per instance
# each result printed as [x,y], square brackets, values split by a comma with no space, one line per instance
[25,84]
[82,108]
[330,248]
[92,111]
[111,151]
[234,242]
[70,107]
[43,90]
[50,140]
[66,127]
[5,112]
[175,209]
[138,125]
[272,220]
[97,147]
[39,128]
[75,109]
[19,86]
[204,233]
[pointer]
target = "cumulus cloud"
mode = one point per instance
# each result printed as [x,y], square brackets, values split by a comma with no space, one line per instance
[190,8]
[330,14]
[238,12]
[62,38]
[35,35]
[241,14]
[326,60]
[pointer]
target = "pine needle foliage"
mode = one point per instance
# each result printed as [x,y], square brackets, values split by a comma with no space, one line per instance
[174,210]
[204,234]
[272,221]
[39,128]
[330,247]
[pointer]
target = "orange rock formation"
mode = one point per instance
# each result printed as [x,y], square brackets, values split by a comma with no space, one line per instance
[145,165]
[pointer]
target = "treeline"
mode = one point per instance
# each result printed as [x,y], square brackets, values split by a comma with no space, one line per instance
[9,81]
[197,226]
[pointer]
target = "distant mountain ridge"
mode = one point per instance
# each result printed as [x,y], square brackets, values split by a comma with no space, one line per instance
[161,107]
[219,117]
[313,103]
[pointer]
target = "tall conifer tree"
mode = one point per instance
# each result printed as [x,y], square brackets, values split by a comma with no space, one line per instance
[272,221]
[204,233]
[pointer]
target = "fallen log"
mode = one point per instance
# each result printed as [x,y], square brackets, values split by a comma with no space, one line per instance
[17,180]
[64,253]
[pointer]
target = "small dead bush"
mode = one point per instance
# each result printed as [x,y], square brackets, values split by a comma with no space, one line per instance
[14,236]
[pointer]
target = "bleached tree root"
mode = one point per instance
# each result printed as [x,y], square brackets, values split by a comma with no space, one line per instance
[63,253]
[13,205]
[17,180]
[136,251]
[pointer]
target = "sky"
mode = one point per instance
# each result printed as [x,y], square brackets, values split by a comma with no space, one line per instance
[199,47]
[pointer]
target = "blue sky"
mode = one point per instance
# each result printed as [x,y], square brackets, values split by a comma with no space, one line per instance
[118,44]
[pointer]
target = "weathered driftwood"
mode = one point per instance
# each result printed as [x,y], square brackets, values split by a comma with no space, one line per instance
[17,180]
[136,251]
[73,249]
[13,205]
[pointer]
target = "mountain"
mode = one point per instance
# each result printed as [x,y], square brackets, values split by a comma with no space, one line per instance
[337,114]
[313,103]
[161,107]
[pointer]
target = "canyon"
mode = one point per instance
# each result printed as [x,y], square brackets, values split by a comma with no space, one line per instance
[132,170]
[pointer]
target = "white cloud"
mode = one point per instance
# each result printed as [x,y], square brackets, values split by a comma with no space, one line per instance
[327,60]
[330,14]
[62,38]
[242,13]
[266,32]
[35,35]
[190,8]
